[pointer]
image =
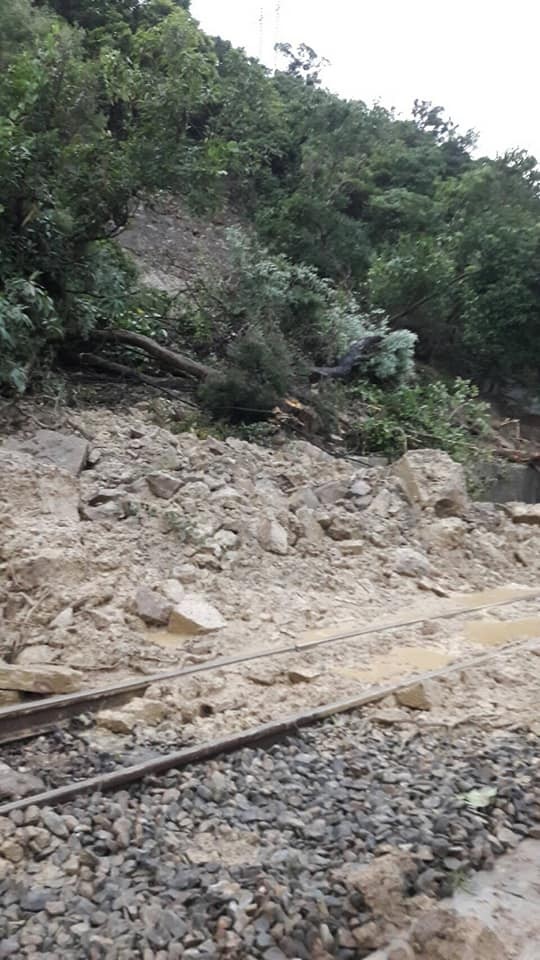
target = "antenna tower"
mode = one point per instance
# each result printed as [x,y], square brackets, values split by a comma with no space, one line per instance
[261,32]
[276,30]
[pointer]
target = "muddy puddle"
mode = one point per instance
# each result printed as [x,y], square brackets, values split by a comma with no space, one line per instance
[398,662]
[401,661]
[425,609]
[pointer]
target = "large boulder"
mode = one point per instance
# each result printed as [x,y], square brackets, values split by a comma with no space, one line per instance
[432,480]
[192,614]
[64,450]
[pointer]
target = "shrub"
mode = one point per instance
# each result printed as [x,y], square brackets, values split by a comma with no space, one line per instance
[447,416]
[257,375]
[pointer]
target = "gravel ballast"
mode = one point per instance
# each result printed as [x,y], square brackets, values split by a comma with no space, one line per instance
[309,848]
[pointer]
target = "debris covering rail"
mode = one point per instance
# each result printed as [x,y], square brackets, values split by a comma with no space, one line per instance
[254,736]
[26,720]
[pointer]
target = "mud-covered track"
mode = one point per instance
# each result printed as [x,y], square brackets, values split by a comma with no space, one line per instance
[31,719]
[253,737]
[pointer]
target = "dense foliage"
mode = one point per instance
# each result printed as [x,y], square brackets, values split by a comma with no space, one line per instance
[368,218]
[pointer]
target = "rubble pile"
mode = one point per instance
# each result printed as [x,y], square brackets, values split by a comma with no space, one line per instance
[126,547]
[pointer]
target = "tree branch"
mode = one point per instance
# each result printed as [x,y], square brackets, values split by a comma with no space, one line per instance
[167,358]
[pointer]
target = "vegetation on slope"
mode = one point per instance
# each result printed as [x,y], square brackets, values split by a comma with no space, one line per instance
[361,223]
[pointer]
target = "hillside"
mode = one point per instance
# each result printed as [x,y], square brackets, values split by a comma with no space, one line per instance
[352,227]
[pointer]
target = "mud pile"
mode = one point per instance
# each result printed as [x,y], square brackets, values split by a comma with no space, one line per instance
[147,548]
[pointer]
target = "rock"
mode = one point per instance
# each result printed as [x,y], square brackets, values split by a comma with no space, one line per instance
[329,493]
[508,837]
[339,528]
[411,563]
[524,513]
[308,526]
[64,450]
[163,485]
[399,950]
[352,548]
[173,590]
[29,488]
[304,497]
[38,678]
[359,488]
[55,908]
[36,653]
[12,851]
[34,900]
[442,934]
[368,937]
[48,567]
[272,537]
[140,712]
[445,534]
[14,784]
[226,540]
[388,716]
[193,614]
[9,697]
[151,607]
[382,882]
[419,696]
[303,675]
[55,823]
[431,479]
[63,619]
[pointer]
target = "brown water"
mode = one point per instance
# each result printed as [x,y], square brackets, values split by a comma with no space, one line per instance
[397,662]
[492,633]
[423,609]
[165,639]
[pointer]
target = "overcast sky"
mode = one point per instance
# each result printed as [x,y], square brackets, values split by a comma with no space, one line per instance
[477,58]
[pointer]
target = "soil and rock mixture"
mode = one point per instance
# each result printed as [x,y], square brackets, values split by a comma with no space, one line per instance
[127,547]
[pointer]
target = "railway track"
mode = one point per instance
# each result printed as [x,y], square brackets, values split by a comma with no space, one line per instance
[30,720]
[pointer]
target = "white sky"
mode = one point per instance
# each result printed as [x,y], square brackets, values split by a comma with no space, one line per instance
[477,58]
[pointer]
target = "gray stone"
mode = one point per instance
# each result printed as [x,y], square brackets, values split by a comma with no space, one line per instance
[163,485]
[411,563]
[330,493]
[14,784]
[64,450]
[359,488]
[55,823]
[272,537]
[151,607]
[193,614]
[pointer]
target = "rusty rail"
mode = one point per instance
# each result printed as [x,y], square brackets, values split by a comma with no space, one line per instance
[34,718]
[253,736]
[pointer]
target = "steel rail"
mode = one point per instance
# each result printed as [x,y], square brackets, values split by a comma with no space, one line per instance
[254,736]
[32,718]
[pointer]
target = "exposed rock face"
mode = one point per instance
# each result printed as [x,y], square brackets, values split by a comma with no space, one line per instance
[432,480]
